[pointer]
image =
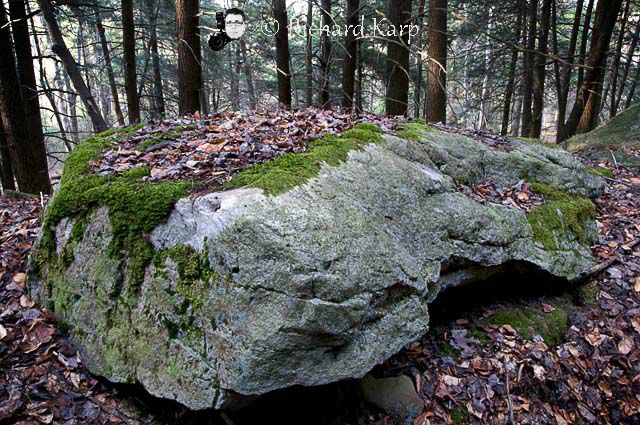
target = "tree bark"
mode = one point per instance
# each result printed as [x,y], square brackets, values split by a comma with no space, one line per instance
[247,74]
[527,80]
[512,75]
[59,47]
[309,56]
[282,54]
[110,75]
[437,76]
[584,109]
[360,71]
[567,69]
[397,64]
[29,89]
[417,90]
[615,65]
[349,64]
[325,54]
[583,43]
[6,171]
[129,57]
[633,89]
[627,65]
[189,59]
[234,86]
[29,161]
[539,73]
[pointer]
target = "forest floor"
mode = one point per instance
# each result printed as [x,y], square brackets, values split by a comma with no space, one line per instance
[554,354]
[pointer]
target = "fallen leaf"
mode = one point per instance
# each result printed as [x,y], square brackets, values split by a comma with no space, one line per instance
[548,308]
[3,332]
[20,278]
[26,302]
[625,346]
[636,286]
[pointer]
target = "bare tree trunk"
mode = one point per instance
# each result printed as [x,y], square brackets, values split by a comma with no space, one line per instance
[539,71]
[417,90]
[567,69]
[397,66]
[633,89]
[583,43]
[325,54]
[247,74]
[527,80]
[28,86]
[584,109]
[112,79]
[29,161]
[349,64]
[6,171]
[627,65]
[282,54]
[512,75]
[437,78]
[129,57]
[59,47]
[234,83]
[189,63]
[616,61]
[309,56]
[359,81]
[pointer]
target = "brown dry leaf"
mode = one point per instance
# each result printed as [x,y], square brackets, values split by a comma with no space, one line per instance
[625,346]
[548,308]
[636,286]
[523,196]
[20,278]
[211,147]
[3,332]
[26,302]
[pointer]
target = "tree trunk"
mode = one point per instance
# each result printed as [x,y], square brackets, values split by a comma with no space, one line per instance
[539,71]
[111,76]
[189,64]
[584,109]
[397,66]
[247,74]
[157,91]
[234,86]
[633,89]
[28,160]
[309,56]
[325,54]
[29,88]
[627,65]
[527,80]
[349,64]
[417,89]
[512,76]
[359,95]
[59,47]
[616,61]
[583,44]
[437,78]
[567,69]
[282,54]
[129,57]
[6,171]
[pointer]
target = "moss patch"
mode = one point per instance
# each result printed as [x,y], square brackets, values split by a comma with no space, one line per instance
[293,169]
[621,130]
[135,207]
[460,415]
[530,320]
[413,131]
[562,216]
[601,171]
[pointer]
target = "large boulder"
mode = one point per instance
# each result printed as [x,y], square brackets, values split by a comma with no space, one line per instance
[210,299]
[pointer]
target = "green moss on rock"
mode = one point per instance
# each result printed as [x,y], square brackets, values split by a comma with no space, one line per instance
[135,207]
[562,216]
[294,169]
[601,171]
[412,130]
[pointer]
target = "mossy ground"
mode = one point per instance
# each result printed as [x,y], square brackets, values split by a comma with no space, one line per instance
[539,142]
[621,130]
[293,169]
[562,216]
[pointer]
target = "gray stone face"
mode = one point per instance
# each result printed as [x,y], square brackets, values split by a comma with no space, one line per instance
[320,283]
